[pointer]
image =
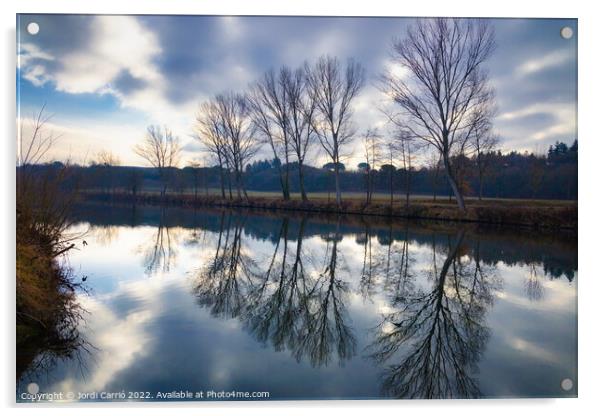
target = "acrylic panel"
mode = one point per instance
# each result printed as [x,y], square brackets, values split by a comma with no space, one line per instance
[290,208]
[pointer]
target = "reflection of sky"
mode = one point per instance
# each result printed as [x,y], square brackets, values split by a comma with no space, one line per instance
[151,335]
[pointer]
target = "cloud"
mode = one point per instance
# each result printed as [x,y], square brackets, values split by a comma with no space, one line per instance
[550,60]
[28,56]
[536,126]
[29,52]
[117,44]
[164,66]
[119,58]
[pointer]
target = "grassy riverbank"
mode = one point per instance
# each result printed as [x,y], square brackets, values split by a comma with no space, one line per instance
[526,213]
[46,309]
[47,313]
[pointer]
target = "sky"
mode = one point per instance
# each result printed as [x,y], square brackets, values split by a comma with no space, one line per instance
[104,79]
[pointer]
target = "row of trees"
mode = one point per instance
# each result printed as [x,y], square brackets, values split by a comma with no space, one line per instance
[496,175]
[442,105]
[484,174]
[289,110]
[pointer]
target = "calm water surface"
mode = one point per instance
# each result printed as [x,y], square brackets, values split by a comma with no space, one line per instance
[309,307]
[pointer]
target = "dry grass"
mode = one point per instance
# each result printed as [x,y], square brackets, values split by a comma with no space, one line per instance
[536,214]
[47,314]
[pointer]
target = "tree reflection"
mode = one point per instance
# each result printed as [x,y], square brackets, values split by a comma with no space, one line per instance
[431,342]
[386,266]
[40,346]
[160,252]
[328,326]
[436,336]
[282,304]
[105,235]
[226,282]
[279,315]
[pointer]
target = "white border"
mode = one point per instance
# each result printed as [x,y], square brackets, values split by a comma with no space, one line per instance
[590,202]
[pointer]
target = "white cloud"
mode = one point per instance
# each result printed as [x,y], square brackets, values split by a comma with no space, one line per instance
[550,60]
[560,111]
[114,354]
[232,52]
[521,135]
[29,52]
[396,70]
[34,73]
[119,43]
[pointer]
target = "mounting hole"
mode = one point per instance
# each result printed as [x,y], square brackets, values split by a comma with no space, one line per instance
[33,388]
[33,28]
[566,32]
[566,384]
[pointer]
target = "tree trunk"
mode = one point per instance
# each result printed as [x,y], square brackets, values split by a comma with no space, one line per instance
[230,183]
[237,178]
[391,186]
[282,184]
[368,188]
[163,179]
[453,184]
[241,183]
[337,185]
[286,189]
[222,180]
[435,182]
[408,182]
[301,185]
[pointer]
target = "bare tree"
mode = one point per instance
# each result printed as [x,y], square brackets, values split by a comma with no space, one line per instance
[240,144]
[434,166]
[406,147]
[269,109]
[333,91]
[391,152]
[199,177]
[444,83]
[209,132]
[302,107]
[34,146]
[372,146]
[44,197]
[105,160]
[161,149]
[484,141]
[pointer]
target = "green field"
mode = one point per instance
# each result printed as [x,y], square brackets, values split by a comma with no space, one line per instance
[377,197]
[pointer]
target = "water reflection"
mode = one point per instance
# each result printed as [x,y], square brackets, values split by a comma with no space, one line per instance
[281,303]
[441,330]
[40,348]
[400,310]
[429,342]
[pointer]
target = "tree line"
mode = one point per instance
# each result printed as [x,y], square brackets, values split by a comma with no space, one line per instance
[507,175]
